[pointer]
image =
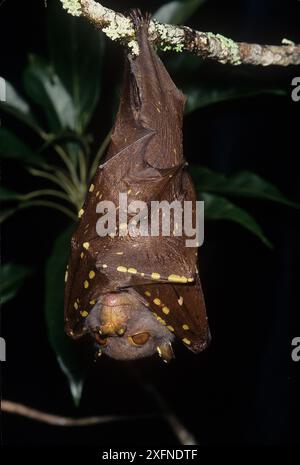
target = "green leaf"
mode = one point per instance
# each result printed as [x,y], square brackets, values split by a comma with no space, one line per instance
[19,108]
[219,208]
[11,279]
[76,52]
[177,11]
[5,214]
[68,352]
[202,95]
[241,184]
[7,194]
[11,147]
[46,89]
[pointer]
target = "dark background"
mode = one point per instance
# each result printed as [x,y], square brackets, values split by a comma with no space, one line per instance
[242,390]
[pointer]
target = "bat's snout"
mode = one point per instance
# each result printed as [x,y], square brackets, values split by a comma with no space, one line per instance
[113,320]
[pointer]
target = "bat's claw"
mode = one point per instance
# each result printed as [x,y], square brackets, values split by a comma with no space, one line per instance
[165,351]
[97,355]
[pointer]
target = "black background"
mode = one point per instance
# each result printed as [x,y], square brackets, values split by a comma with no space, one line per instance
[242,390]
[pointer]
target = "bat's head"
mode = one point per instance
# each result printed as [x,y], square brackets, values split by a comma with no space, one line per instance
[124,328]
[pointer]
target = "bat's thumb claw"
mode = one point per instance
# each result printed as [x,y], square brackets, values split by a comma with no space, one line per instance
[165,351]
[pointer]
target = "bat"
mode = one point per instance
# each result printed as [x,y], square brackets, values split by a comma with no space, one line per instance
[136,294]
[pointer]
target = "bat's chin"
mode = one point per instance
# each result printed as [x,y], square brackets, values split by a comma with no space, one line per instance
[120,350]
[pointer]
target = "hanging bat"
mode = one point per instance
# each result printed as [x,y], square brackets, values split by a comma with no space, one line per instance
[135,294]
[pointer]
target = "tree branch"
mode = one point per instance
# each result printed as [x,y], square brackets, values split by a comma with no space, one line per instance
[182,38]
[58,420]
[182,434]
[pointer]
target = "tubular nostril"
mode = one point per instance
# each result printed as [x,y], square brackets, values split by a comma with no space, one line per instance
[106,329]
[121,331]
[111,330]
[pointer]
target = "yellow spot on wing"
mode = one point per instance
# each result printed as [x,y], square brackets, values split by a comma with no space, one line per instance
[92,274]
[92,302]
[76,305]
[160,320]
[86,284]
[92,187]
[185,327]
[190,280]
[86,245]
[170,328]
[132,270]
[148,294]
[166,310]
[186,341]
[156,301]
[66,276]
[81,255]
[84,313]
[80,213]
[155,275]
[122,269]
[174,278]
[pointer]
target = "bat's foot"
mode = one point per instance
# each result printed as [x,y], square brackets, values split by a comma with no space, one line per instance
[139,19]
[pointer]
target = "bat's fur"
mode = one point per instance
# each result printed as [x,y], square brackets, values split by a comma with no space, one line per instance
[125,310]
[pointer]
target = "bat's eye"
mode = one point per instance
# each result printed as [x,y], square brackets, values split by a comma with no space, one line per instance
[139,339]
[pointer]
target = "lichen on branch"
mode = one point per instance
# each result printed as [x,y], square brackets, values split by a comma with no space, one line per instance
[167,37]
[72,6]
